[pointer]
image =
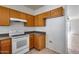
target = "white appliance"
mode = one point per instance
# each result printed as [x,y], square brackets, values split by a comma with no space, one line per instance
[55,31]
[20,44]
[20,41]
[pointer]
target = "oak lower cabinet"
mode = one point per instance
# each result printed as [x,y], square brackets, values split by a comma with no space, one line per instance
[39,41]
[5,46]
[31,41]
[4,16]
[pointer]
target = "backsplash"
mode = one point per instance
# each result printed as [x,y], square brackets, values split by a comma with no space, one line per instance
[29,29]
[19,26]
[40,29]
[4,29]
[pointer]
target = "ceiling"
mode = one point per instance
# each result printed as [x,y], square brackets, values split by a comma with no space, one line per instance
[34,7]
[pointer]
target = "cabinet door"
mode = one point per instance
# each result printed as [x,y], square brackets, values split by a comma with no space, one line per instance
[23,16]
[39,41]
[30,20]
[39,21]
[57,12]
[31,41]
[36,21]
[36,43]
[14,14]
[45,15]
[6,46]
[4,16]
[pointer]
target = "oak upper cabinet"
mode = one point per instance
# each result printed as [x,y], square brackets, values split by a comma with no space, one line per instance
[5,46]
[4,16]
[36,21]
[57,12]
[45,15]
[22,16]
[39,41]
[30,20]
[17,14]
[31,41]
[39,21]
[14,14]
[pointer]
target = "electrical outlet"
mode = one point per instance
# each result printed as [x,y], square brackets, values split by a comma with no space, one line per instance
[50,42]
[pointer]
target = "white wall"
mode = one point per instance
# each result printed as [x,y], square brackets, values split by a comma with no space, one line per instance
[4,29]
[74,26]
[73,14]
[29,29]
[73,37]
[40,29]
[73,40]
[73,11]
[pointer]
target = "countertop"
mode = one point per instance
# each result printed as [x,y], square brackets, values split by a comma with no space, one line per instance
[4,36]
[28,32]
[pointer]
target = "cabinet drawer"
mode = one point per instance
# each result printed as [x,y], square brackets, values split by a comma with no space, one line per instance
[5,46]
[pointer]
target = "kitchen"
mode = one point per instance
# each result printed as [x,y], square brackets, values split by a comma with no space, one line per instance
[27,27]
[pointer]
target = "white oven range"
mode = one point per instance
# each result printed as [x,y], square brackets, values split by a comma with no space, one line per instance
[20,40]
[20,44]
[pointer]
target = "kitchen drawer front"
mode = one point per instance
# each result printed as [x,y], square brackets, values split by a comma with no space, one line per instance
[5,47]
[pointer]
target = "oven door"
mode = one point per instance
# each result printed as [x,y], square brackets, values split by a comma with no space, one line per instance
[19,44]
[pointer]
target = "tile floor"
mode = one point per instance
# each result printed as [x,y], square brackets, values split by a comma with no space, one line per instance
[44,51]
